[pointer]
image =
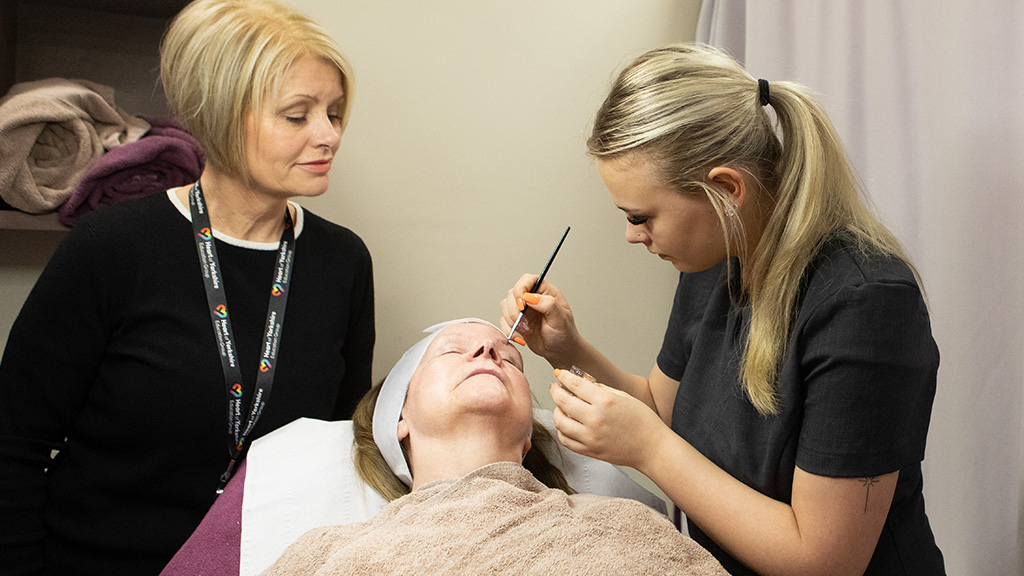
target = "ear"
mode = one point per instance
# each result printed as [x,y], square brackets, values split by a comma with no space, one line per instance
[731,182]
[403,427]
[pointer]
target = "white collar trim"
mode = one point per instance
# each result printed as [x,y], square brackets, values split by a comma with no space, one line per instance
[299,221]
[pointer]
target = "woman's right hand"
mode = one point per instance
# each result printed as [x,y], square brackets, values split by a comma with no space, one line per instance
[548,327]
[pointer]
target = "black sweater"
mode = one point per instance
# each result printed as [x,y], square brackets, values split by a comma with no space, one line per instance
[113,362]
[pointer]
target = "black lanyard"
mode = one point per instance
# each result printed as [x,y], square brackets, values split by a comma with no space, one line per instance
[214,282]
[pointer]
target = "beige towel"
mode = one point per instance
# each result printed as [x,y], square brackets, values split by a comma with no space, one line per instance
[500,520]
[51,133]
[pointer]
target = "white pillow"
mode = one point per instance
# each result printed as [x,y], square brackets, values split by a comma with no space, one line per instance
[302,476]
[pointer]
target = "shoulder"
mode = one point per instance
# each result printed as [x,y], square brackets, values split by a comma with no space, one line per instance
[335,239]
[841,271]
[841,262]
[132,216]
[868,302]
[118,228]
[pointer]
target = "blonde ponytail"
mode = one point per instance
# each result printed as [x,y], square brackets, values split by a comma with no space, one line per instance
[689,108]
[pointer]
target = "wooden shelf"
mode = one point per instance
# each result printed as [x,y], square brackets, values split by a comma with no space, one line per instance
[151,8]
[16,220]
[110,42]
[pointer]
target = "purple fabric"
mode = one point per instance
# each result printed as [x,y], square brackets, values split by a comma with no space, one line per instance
[167,156]
[214,548]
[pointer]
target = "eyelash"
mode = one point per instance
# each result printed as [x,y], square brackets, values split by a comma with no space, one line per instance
[302,119]
[509,360]
[636,220]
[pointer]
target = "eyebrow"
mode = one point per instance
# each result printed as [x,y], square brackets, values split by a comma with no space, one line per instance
[298,100]
[446,339]
[295,99]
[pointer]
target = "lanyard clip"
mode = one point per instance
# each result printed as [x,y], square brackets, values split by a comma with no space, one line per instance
[226,476]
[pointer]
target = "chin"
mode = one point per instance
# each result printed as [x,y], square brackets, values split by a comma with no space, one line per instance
[311,191]
[690,268]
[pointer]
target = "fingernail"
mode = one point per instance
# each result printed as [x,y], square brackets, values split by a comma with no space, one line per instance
[519,302]
[557,370]
[531,298]
[519,340]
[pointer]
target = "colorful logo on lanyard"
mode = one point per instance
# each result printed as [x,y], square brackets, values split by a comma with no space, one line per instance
[221,311]
[205,233]
[236,390]
[265,365]
[277,289]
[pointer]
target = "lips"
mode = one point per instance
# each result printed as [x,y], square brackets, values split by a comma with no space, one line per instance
[488,371]
[319,166]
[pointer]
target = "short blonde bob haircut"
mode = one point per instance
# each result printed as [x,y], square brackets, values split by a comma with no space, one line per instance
[221,59]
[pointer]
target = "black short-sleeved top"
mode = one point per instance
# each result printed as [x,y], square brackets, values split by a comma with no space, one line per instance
[114,362]
[856,388]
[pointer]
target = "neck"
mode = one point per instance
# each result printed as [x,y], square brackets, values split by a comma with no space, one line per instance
[462,452]
[240,212]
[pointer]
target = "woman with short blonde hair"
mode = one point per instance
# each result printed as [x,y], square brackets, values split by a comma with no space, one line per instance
[221,60]
[170,331]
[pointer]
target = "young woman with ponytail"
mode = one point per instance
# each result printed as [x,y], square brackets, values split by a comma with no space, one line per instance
[787,413]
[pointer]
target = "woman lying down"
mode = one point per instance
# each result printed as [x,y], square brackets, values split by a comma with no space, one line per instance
[452,427]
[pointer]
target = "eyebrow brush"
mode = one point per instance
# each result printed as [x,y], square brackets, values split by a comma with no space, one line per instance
[536,285]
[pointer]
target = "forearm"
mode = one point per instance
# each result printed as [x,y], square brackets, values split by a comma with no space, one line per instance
[591,360]
[765,534]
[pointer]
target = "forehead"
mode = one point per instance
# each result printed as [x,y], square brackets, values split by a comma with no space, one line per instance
[633,180]
[308,77]
[470,333]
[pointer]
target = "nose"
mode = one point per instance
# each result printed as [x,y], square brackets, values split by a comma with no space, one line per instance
[327,131]
[635,235]
[488,350]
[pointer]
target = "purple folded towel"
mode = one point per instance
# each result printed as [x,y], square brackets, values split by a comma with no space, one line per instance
[214,548]
[165,157]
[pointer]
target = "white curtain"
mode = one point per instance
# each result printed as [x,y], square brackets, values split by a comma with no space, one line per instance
[929,99]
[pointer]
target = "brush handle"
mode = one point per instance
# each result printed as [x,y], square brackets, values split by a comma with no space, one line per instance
[536,285]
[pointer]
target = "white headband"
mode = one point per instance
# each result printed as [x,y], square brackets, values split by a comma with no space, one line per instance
[388,410]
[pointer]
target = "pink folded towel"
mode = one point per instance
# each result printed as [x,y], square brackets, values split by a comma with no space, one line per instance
[500,520]
[51,133]
[166,157]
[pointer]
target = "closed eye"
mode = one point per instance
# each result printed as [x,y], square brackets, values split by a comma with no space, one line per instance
[636,220]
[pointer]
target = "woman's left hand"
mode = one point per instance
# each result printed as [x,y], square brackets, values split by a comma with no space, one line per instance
[601,422]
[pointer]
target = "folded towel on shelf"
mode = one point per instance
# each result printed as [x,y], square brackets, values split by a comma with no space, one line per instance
[52,131]
[167,156]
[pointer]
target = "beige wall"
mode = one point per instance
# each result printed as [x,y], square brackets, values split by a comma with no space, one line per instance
[464,162]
